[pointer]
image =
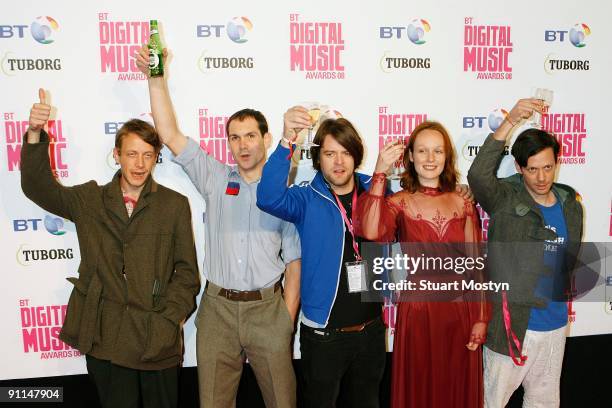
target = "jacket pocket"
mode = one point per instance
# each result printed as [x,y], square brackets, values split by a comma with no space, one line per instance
[74,311]
[82,312]
[163,338]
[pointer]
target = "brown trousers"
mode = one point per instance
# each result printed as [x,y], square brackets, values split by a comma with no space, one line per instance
[228,331]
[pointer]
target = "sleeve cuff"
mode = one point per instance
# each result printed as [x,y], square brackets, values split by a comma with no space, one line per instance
[378,179]
[44,139]
[188,154]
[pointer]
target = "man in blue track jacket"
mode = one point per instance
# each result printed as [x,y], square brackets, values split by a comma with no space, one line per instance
[342,338]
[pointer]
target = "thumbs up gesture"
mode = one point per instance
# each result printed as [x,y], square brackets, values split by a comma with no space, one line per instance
[39,114]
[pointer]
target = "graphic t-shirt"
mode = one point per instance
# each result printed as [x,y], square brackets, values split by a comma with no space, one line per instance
[551,287]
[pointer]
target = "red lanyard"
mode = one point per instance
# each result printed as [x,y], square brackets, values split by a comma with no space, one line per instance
[520,360]
[349,223]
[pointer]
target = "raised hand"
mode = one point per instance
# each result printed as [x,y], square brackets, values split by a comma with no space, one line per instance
[523,109]
[142,59]
[389,154]
[39,114]
[294,120]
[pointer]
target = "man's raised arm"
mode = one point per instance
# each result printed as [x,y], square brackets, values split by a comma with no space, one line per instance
[482,173]
[161,105]
[37,180]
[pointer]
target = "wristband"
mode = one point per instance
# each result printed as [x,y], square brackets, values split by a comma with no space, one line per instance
[379,177]
[290,143]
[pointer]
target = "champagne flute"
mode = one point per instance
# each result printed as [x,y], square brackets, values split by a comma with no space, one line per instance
[546,96]
[314,111]
[398,167]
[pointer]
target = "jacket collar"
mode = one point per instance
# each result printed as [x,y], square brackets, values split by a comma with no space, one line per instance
[320,185]
[526,201]
[113,197]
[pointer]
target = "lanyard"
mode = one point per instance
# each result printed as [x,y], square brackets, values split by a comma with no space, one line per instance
[520,360]
[348,222]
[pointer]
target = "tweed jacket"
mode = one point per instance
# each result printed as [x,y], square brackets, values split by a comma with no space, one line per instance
[138,275]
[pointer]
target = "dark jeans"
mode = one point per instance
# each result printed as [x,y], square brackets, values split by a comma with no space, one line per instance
[122,387]
[351,363]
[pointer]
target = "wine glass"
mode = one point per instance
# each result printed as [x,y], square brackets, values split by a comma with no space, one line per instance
[546,96]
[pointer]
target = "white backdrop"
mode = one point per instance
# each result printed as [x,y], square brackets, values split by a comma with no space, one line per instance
[385,66]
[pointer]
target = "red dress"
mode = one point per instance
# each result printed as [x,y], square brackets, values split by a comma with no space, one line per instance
[431,365]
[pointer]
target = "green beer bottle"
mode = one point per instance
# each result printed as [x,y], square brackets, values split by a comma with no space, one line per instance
[156,65]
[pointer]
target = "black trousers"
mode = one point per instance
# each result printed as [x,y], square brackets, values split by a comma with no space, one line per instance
[347,364]
[121,387]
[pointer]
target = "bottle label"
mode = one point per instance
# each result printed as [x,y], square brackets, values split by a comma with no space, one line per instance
[153,59]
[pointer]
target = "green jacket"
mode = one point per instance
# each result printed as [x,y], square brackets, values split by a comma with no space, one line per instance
[133,320]
[516,235]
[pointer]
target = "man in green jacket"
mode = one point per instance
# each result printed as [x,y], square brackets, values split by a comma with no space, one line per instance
[138,275]
[534,236]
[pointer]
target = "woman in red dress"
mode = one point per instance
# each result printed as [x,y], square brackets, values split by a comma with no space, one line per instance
[437,361]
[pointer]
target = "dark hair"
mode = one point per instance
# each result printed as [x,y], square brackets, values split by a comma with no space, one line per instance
[531,142]
[243,114]
[344,133]
[142,129]
[448,177]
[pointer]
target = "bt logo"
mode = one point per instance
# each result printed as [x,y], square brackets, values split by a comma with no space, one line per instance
[415,31]
[576,35]
[53,225]
[42,29]
[237,30]
[111,128]
[493,120]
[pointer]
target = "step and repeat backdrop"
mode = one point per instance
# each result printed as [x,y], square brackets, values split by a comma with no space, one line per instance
[386,66]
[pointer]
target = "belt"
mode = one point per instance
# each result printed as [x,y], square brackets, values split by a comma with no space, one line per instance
[243,295]
[356,328]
